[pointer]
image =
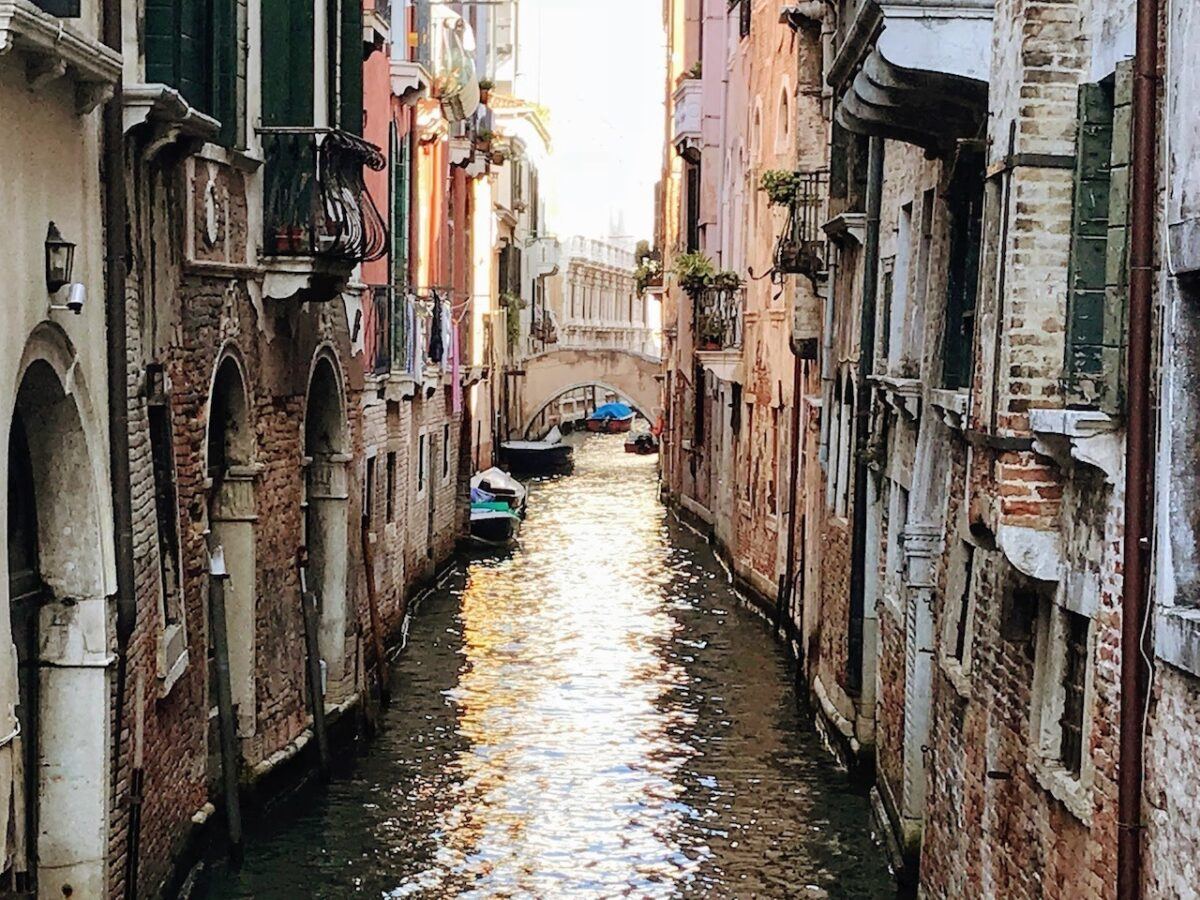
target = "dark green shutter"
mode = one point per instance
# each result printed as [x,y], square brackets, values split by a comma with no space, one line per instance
[287,62]
[1086,330]
[962,281]
[400,207]
[225,68]
[351,75]
[176,40]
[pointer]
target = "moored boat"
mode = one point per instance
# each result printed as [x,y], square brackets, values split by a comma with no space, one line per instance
[642,444]
[547,456]
[502,486]
[494,527]
[611,418]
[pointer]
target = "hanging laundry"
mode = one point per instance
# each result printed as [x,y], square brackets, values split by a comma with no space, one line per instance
[437,346]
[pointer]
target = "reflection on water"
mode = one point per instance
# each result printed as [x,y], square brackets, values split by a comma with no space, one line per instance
[592,716]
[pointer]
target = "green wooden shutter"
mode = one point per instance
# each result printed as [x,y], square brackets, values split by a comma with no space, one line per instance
[1086,332]
[400,207]
[351,75]
[176,38]
[225,69]
[287,62]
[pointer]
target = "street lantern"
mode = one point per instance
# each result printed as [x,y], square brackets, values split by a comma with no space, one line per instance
[60,259]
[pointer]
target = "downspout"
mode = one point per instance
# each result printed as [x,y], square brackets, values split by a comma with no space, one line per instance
[862,416]
[827,361]
[115,212]
[1139,460]
[790,578]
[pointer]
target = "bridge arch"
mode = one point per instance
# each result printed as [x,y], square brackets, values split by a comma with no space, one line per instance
[550,375]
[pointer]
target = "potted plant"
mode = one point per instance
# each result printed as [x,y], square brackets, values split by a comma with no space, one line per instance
[780,186]
[483,139]
[694,272]
[485,90]
[696,71]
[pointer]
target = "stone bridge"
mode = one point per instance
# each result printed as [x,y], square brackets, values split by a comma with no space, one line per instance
[550,375]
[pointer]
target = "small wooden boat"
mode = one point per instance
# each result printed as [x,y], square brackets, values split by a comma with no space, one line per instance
[494,527]
[547,456]
[499,484]
[611,418]
[642,444]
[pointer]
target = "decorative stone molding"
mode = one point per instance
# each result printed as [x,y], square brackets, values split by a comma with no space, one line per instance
[922,546]
[953,406]
[902,394]
[410,81]
[724,364]
[1032,551]
[54,50]
[1086,435]
[847,228]
[169,119]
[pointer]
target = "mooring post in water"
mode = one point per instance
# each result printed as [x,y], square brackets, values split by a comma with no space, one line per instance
[230,759]
[385,692]
[312,645]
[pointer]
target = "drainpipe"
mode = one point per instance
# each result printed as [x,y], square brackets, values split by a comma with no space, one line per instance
[115,215]
[1139,459]
[827,362]
[862,416]
[790,579]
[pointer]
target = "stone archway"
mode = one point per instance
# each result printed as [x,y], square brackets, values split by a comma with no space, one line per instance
[547,376]
[326,513]
[55,791]
[232,519]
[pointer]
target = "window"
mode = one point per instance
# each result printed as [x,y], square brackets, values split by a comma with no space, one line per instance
[1074,686]
[192,45]
[173,640]
[692,171]
[897,300]
[966,234]
[743,12]
[390,499]
[289,48]
[445,452]
[1094,324]
[783,123]
[1061,697]
[369,493]
[401,148]
[845,442]
[422,461]
[698,435]
[962,611]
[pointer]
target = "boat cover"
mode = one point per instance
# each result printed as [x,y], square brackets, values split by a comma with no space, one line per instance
[612,411]
[496,480]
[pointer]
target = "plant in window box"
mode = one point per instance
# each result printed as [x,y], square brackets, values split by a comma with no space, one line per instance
[483,140]
[485,90]
[696,71]
[514,305]
[780,186]
[694,272]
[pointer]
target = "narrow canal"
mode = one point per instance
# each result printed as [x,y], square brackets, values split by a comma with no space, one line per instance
[594,715]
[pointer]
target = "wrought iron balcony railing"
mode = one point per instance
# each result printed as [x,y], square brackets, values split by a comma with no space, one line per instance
[800,249]
[718,318]
[315,201]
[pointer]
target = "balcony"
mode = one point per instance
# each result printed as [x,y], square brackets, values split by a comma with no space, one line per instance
[319,221]
[800,249]
[717,323]
[689,115]
[913,70]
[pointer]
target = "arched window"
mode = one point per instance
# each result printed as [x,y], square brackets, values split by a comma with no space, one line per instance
[783,122]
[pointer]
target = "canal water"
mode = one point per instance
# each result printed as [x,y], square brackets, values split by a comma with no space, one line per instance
[595,714]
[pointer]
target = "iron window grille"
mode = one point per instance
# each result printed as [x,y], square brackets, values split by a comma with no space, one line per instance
[1074,689]
[718,318]
[315,200]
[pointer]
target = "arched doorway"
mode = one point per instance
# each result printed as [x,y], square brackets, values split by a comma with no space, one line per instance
[55,802]
[232,516]
[326,522]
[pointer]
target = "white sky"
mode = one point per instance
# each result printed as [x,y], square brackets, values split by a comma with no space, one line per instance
[599,68]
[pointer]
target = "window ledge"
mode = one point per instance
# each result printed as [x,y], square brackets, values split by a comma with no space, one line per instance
[170,118]
[1086,435]
[958,677]
[953,406]
[902,394]
[1072,792]
[1177,638]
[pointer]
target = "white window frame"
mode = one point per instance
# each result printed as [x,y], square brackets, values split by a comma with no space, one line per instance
[1046,699]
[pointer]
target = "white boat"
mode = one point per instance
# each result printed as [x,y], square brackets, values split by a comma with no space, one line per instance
[549,454]
[502,486]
